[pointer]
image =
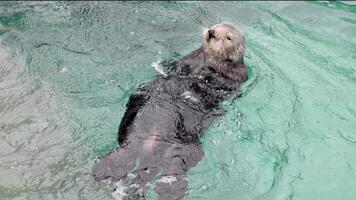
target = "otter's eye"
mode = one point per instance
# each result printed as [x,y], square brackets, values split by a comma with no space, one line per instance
[228,38]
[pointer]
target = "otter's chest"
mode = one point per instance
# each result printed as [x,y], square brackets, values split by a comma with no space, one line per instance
[204,90]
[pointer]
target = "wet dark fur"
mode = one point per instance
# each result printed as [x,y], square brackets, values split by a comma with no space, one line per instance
[160,130]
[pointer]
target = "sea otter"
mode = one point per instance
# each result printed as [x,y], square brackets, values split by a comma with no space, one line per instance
[159,133]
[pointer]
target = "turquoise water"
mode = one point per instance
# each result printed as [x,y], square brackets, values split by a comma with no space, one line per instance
[68,68]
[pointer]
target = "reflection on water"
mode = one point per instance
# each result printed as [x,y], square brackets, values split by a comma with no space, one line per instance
[68,68]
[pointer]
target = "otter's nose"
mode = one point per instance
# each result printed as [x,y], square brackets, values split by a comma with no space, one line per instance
[211,33]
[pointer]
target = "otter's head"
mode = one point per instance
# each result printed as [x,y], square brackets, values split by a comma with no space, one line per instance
[224,41]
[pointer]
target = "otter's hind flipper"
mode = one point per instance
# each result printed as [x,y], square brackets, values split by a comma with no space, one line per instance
[115,165]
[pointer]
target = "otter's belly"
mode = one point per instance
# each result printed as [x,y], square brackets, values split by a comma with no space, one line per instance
[163,120]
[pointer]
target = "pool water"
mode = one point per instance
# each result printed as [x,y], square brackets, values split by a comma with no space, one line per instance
[68,68]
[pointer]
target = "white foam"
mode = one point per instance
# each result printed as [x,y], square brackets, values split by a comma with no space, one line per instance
[158,67]
[119,192]
[189,95]
[167,179]
[63,70]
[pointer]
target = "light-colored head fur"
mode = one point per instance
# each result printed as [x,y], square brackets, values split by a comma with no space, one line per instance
[224,42]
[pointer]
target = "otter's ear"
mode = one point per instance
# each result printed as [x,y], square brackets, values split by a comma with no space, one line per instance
[204,32]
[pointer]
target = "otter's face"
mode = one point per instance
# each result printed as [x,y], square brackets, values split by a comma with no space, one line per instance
[225,41]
